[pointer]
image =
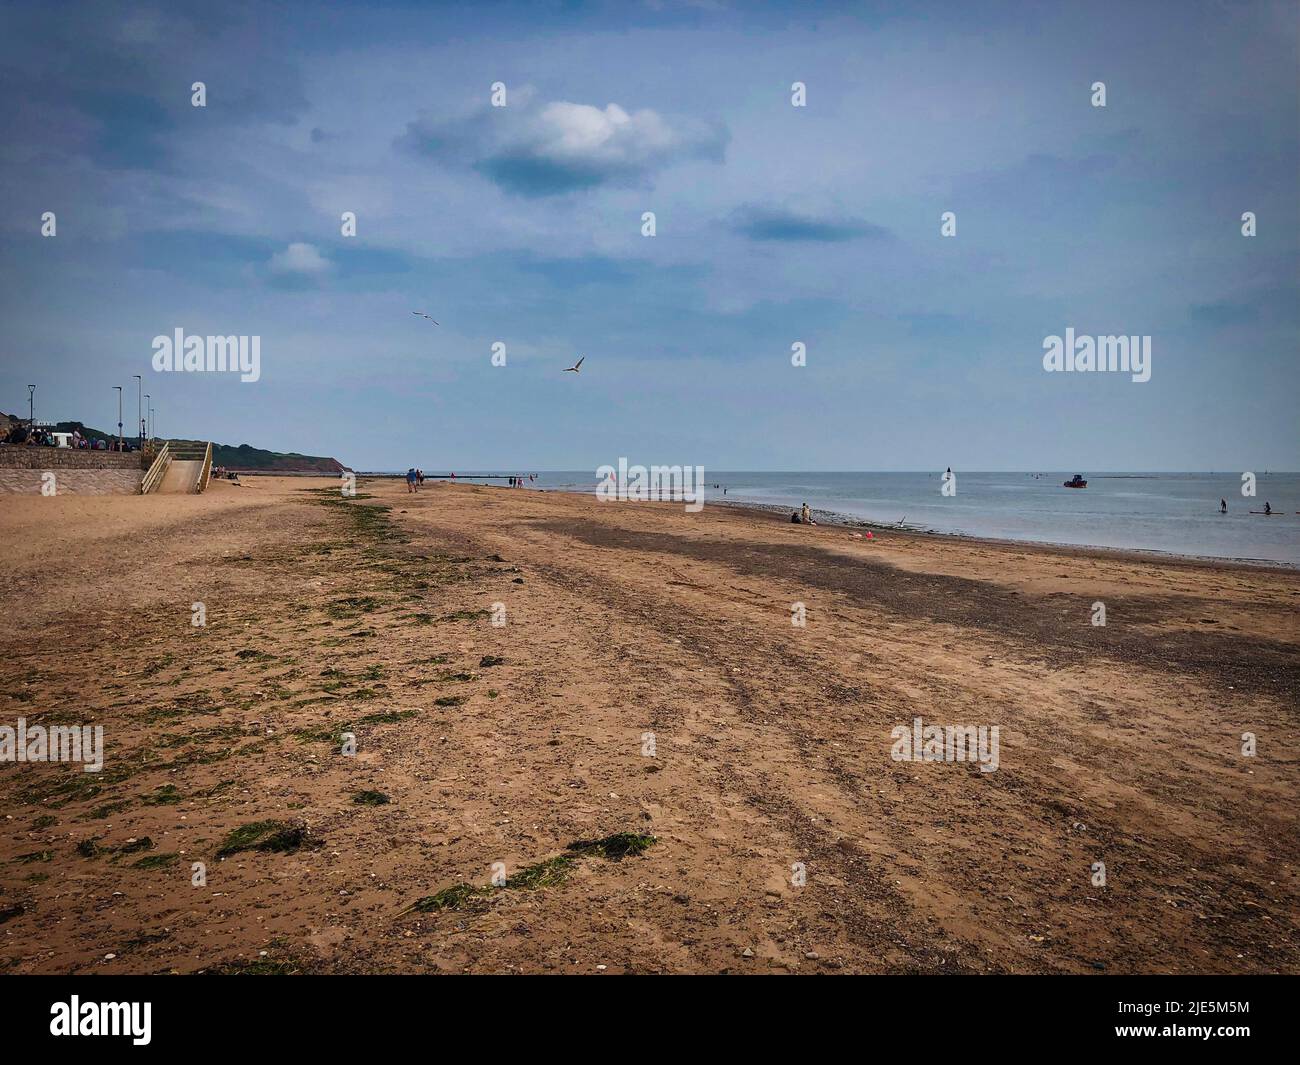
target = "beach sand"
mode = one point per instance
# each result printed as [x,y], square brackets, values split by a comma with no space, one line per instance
[1119,744]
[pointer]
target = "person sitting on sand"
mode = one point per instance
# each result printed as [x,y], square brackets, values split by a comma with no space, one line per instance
[794,517]
[806,515]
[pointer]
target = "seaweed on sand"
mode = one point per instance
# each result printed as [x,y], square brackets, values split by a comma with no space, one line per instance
[546,873]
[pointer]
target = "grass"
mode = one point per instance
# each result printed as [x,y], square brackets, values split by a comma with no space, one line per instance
[543,874]
[283,837]
[156,861]
[333,734]
[616,847]
[367,521]
[57,790]
[353,606]
[164,795]
[108,809]
[255,967]
[157,665]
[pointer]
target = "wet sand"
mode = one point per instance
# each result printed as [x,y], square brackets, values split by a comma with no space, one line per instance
[507,743]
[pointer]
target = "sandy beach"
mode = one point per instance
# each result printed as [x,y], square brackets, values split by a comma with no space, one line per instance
[526,671]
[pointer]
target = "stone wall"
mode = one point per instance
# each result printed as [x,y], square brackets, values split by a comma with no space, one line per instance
[71,482]
[31,457]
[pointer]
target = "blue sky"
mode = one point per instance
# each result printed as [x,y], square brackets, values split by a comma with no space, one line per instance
[775,225]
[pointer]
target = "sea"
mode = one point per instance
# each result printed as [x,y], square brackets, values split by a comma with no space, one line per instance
[1177,513]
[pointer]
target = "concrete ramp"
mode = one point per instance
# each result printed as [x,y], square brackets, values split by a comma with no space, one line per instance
[182,477]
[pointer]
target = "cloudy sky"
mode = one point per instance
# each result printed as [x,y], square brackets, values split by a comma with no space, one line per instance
[775,225]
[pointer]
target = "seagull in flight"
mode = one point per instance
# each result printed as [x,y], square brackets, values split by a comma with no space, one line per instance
[576,367]
[423,315]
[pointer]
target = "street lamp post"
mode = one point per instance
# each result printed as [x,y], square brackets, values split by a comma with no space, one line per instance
[139,411]
[119,416]
[144,421]
[31,406]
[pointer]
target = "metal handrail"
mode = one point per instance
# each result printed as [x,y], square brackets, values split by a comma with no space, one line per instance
[207,468]
[156,471]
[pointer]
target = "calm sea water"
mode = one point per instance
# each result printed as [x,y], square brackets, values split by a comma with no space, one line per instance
[1175,512]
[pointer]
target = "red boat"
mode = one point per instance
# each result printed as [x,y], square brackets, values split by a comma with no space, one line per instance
[1076,482]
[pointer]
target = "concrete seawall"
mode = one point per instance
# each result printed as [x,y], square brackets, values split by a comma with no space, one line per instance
[26,470]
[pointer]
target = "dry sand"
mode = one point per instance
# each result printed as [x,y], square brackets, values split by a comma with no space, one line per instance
[1119,744]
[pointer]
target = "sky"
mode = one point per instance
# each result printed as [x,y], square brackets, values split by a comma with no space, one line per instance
[774,225]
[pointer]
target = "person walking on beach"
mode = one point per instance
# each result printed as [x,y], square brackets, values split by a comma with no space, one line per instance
[1223,506]
[410,480]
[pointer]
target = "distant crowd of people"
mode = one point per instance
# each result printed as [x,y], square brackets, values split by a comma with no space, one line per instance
[38,436]
[415,479]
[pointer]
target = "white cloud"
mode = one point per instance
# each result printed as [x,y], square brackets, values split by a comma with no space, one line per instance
[302,260]
[580,132]
[562,146]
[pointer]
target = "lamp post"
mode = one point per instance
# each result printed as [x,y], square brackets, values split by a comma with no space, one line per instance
[31,406]
[144,421]
[139,411]
[119,416]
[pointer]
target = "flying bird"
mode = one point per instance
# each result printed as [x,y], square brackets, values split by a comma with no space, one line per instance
[576,367]
[423,315]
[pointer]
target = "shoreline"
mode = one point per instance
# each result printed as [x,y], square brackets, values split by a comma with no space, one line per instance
[845,521]
[850,523]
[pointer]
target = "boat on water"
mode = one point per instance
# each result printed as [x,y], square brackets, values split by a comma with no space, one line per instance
[1076,481]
